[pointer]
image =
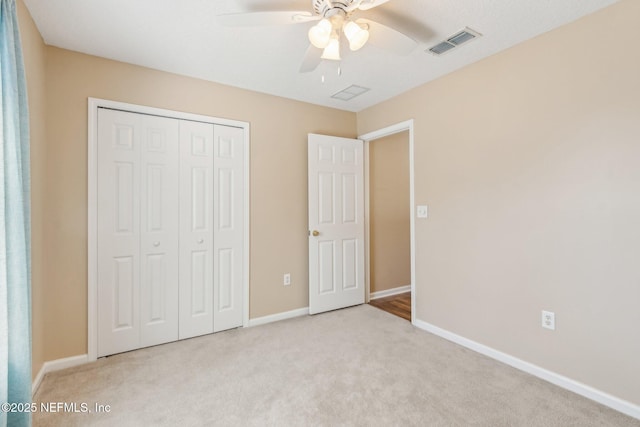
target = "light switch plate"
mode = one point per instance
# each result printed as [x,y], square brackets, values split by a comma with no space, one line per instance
[422,211]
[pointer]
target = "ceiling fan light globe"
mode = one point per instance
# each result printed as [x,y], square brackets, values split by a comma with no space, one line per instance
[320,34]
[359,41]
[332,51]
[356,35]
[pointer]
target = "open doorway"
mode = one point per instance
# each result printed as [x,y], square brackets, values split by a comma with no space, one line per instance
[389,219]
[389,224]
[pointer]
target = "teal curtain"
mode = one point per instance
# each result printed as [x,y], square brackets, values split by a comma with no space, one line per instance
[15,233]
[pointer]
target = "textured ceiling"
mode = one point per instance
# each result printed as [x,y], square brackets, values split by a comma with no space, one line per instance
[183,37]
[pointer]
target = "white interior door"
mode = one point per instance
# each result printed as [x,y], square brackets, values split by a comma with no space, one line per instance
[137,236]
[196,224]
[159,281]
[228,227]
[336,223]
[118,231]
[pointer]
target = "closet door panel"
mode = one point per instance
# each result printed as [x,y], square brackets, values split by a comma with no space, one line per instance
[228,226]
[160,230]
[196,229]
[118,221]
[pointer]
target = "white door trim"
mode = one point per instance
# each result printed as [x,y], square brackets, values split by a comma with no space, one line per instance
[92,220]
[368,137]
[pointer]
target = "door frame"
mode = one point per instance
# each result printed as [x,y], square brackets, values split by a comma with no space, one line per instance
[367,138]
[92,201]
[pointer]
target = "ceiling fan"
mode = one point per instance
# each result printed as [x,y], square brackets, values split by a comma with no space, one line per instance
[335,18]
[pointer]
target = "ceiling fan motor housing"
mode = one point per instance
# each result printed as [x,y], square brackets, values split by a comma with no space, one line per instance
[328,8]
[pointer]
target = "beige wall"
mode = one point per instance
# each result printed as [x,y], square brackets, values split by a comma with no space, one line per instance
[529,162]
[389,210]
[34,60]
[278,224]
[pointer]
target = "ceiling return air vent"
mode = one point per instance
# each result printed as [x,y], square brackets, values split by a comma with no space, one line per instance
[349,93]
[454,41]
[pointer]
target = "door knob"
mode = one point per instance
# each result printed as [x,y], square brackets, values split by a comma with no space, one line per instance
[156,244]
[201,241]
[315,233]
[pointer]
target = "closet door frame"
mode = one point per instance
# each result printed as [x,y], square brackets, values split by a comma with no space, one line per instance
[92,167]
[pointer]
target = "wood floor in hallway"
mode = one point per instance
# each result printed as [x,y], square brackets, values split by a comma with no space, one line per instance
[400,305]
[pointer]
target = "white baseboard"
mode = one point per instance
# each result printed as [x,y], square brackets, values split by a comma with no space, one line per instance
[389,292]
[68,362]
[589,392]
[279,316]
[56,365]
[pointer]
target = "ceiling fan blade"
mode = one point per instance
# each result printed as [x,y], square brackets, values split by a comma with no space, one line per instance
[370,4]
[255,19]
[387,38]
[311,60]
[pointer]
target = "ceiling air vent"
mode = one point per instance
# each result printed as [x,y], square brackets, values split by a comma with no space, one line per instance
[441,48]
[350,92]
[454,41]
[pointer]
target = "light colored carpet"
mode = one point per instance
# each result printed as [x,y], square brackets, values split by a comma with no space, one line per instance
[310,371]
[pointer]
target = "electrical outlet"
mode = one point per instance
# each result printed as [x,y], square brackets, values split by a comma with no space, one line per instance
[549,320]
[287,279]
[422,211]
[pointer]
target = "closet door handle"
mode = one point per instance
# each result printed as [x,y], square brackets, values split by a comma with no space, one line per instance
[200,241]
[156,244]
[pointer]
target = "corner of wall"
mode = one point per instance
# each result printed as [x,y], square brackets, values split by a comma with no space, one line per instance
[34,54]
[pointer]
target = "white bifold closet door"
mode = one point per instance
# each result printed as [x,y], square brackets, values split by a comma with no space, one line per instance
[170,229]
[196,229]
[211,228]
[138,234]
[228,227]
